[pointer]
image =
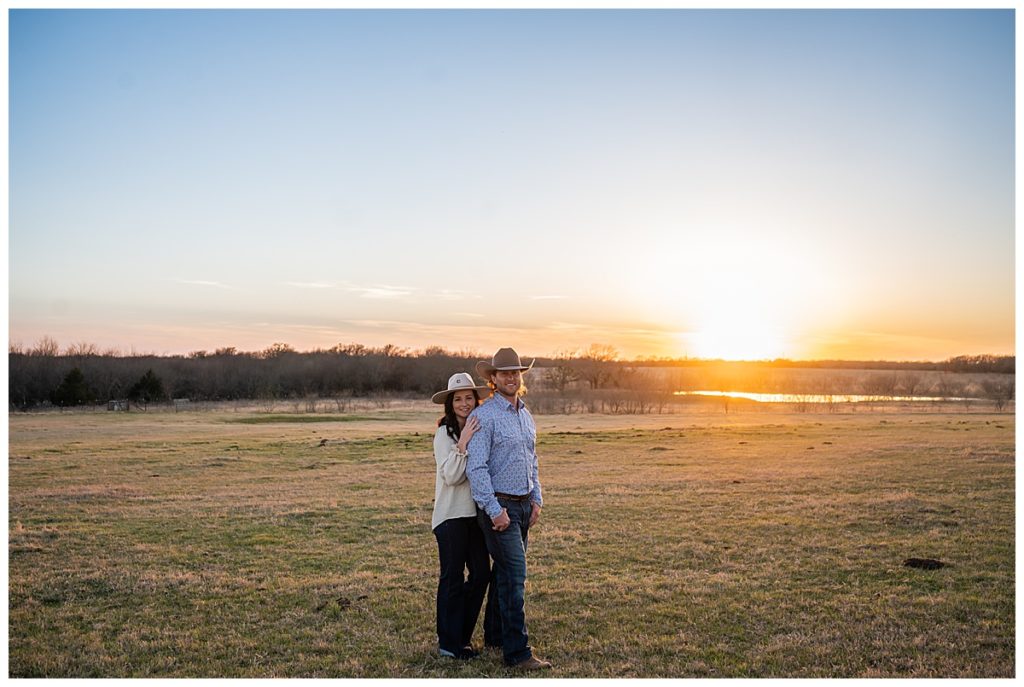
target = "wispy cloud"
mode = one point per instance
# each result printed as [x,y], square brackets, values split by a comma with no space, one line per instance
[606,329]
[454,295]
[203,282]
[547,298]
[311,284]
[382,291]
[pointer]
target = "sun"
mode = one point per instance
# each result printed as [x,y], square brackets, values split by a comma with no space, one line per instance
[735,337]
[731,293]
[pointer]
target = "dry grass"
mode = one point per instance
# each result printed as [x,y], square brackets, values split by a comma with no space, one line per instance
[693,545]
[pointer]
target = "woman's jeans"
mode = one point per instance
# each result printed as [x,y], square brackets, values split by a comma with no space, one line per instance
[460,546]
[508,549]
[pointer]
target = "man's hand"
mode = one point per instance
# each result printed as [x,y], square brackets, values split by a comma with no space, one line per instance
[501,522]
[535,515]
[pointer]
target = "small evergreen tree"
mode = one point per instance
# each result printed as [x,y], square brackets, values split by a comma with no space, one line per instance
[72,391]
[148,388]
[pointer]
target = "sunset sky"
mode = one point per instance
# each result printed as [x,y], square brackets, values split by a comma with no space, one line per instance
[738,184]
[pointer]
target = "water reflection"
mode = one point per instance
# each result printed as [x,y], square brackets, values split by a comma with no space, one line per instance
[813,398]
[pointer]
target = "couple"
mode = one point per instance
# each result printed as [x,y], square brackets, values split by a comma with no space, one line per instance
[486,498]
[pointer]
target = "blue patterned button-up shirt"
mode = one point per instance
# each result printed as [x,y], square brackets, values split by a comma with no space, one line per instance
[503,454]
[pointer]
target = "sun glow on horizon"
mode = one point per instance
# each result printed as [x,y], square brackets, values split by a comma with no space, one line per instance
[727,301]
[734,339]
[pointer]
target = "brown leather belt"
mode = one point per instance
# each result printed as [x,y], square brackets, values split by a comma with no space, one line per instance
[512,497]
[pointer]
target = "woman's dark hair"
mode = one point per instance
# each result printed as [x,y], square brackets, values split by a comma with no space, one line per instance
[448,420]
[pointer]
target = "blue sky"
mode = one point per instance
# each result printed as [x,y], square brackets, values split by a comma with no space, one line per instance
[681,182]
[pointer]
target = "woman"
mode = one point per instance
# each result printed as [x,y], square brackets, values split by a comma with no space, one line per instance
[460,543]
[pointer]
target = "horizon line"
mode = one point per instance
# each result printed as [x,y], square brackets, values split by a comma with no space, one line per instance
[47,346]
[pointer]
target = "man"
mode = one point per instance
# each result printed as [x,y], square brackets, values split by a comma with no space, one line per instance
[503,475]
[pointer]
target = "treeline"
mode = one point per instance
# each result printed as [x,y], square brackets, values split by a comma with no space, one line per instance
[227,374]
[1000,364]
[82,374]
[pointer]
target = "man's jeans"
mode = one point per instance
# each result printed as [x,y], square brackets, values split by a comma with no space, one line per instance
[508,549]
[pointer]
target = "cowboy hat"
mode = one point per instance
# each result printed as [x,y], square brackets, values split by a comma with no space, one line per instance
[504,359]
[459,381]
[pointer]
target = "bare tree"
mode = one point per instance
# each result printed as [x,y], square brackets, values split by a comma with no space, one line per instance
[595,364]
[276,350]
[563,373]
[947,387]
[81,349]
[908,384]
[883,385]
[999,392]
[45,347]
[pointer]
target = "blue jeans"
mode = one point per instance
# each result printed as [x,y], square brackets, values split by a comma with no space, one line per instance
[508,549]
[460,546]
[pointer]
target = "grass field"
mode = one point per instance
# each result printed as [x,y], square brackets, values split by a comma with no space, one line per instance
[691,545]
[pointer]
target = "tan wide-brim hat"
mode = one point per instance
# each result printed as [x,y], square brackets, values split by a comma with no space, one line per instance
[504,359]
[459,381]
